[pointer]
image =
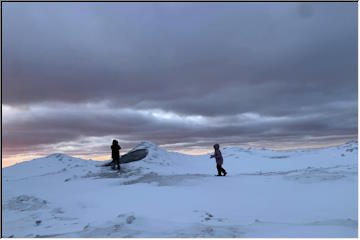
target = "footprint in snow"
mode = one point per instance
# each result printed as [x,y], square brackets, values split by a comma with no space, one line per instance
[26,203]
[86,227]
[57,211]
[130,219]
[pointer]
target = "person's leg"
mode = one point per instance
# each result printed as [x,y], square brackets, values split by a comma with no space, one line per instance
[113,164]
[223,171]
[218,169]
[118,164]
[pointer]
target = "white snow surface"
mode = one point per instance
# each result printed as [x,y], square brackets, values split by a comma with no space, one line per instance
[302,193]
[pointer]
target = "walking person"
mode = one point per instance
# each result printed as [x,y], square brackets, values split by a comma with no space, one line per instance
[115,154]
[219,160]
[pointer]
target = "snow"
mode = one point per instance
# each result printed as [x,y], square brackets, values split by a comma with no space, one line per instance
[302,193]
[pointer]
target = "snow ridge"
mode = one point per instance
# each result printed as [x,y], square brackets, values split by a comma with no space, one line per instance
[266,194]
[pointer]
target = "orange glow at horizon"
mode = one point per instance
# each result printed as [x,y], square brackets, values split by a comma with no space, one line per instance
[10,160]
[18,158]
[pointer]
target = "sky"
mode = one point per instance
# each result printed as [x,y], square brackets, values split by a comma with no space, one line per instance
[182,75]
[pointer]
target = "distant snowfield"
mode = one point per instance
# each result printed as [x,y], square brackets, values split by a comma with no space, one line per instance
[303,193]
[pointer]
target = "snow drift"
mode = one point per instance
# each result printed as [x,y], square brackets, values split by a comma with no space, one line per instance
[302,193]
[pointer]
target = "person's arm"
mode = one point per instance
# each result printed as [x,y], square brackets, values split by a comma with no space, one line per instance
[212,156]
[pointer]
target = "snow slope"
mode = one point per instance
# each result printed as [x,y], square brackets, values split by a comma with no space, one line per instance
[303,193]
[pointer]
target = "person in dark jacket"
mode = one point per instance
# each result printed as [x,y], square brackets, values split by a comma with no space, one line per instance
[115,154]
[219,160]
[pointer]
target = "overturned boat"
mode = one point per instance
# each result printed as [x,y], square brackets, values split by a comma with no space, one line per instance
[131,156]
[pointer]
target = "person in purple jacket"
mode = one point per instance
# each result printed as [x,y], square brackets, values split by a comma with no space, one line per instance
[219,160]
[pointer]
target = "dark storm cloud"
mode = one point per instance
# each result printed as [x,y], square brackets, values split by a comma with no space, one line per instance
[215,60]
[50,125]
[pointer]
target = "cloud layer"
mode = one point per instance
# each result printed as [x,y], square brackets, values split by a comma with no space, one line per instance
[178,72]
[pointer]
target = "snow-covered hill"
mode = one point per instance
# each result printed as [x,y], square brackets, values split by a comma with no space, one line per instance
[266,194]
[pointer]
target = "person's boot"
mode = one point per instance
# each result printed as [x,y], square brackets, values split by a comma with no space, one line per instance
[225,173]
[218,169]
